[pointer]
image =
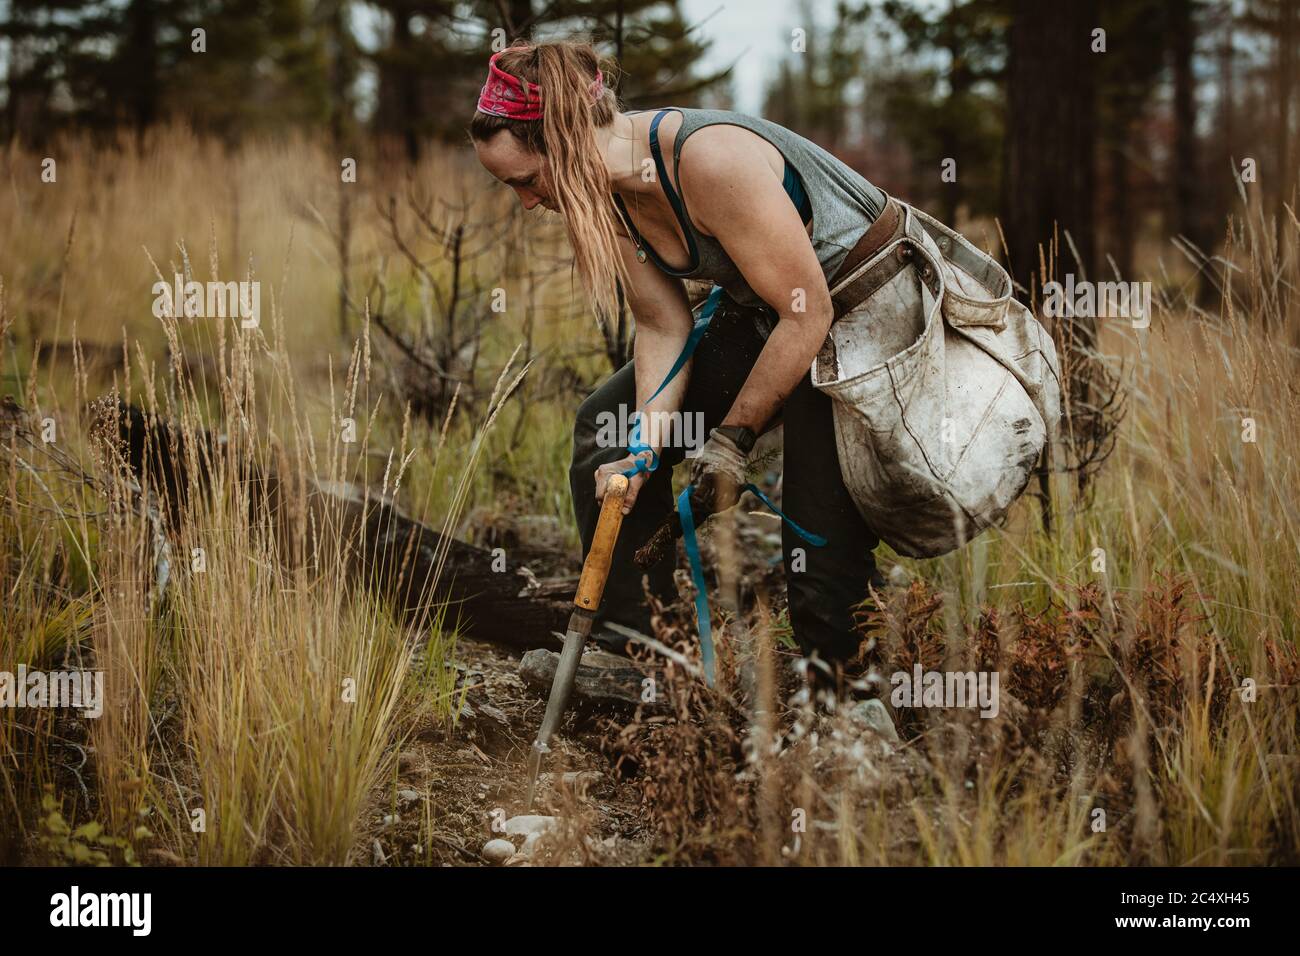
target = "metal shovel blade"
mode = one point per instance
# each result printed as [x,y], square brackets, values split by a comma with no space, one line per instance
[561,690]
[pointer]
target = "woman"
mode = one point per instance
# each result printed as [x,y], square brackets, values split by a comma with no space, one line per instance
[701,194]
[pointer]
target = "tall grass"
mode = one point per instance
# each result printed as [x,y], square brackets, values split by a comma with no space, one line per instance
[257,688]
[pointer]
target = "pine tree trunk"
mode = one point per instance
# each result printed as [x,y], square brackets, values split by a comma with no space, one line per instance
[1049,174]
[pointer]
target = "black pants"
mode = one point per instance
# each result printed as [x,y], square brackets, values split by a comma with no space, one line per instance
[834,577]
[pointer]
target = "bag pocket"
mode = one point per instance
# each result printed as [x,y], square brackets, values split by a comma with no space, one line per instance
[890,405]
[977,290]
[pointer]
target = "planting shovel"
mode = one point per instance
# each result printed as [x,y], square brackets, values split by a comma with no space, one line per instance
[590,588]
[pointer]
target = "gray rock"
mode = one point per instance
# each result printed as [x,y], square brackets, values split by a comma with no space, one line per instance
[603,680]
[498,851]
[528,824]
[874,715]
[530,845]
[532,827]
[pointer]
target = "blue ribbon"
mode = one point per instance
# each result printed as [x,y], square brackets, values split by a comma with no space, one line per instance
[691,541]
[635,446]
[705,625]
[697,332]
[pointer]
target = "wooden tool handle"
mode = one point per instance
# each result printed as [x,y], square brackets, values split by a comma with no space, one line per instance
[596,568]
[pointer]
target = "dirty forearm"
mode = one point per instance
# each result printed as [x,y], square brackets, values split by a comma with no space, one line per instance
[781,366]
[656,350]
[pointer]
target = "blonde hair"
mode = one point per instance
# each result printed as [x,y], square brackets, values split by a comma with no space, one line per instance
[566,137]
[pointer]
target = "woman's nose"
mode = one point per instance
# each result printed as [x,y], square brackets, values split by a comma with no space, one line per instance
[527,198]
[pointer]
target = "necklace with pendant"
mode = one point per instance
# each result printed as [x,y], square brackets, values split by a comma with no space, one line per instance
[636,199]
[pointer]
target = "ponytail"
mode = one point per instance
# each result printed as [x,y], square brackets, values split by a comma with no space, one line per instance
[566,137]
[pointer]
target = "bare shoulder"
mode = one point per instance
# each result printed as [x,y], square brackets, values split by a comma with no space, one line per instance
[720,163]
[711,151]
[714,150]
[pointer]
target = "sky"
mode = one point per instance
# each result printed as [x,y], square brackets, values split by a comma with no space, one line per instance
[755,34]
[755,31]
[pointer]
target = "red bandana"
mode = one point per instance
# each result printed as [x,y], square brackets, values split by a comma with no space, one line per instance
[505,94]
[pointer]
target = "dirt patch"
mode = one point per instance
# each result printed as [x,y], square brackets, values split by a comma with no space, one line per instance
[453,783]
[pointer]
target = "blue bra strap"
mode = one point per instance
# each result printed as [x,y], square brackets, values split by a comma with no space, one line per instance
[674,199]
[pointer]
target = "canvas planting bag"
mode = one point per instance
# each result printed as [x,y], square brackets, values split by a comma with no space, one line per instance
[946,388]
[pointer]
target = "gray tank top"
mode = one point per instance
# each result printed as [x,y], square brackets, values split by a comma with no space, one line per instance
[844,204]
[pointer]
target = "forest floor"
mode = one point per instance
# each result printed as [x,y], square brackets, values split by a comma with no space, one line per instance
[459,782]
[474,773]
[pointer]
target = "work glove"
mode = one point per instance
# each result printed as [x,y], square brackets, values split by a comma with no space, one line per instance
[717,475]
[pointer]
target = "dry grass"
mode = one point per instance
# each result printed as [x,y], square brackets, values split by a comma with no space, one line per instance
[255,702]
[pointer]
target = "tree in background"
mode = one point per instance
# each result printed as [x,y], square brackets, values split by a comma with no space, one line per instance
[1046,134]
[1188,171]
[1278,22]
[93,65]
[1049,173]
[432,59]
[948,107]
[103,66]
[1128,78]
[811,90]
[264,69]
[657,49]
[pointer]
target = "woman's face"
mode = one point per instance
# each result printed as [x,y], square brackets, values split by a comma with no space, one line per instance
[523,171]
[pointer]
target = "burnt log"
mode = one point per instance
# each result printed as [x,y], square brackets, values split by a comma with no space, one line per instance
[399,557]
[604,681]
[393,555]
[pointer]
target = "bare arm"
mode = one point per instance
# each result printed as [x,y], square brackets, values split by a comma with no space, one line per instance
[663,323]
[733,194]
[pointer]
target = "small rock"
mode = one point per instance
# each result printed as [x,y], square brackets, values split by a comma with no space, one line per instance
[532,827]
[498,851]
[407,761]
[494,713]
[390,819]
[407,796]
[527,824]
[872,713]
[530,845]
[582,780]
[377,852]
